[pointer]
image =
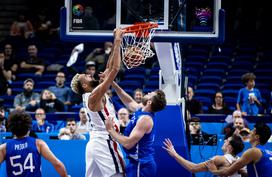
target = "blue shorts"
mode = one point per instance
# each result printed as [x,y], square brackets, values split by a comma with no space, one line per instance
[147,169]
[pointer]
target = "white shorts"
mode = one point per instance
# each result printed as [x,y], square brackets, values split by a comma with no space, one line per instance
[103,158]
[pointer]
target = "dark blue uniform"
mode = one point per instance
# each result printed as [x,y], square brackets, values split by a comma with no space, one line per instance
[140,158]
[263,167]
[23,158]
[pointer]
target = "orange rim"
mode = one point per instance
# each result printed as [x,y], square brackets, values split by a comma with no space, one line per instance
[140,27]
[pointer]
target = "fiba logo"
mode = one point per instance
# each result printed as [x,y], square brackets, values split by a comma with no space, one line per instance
[78,10]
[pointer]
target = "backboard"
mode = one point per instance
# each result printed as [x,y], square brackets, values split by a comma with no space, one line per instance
[184,21]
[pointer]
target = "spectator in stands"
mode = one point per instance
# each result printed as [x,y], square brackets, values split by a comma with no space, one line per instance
[83,124]
[231,148]
[100,56]
[27,100]
[89,20]
[235,114]
[257,158]
[91,68]
[5,76]
[249,98]
[238,124]
[2,119]
[64,134]
[123,116]
[193,105]
[72,126]
[195,127]
[244,133]
[32,63]
[41,125]
[50,103]
[21,27]
[11,63]
[42,26]
[138,95]
[219,106]
[62,92]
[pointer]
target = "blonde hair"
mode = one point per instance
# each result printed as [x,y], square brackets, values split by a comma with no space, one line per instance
[75,84]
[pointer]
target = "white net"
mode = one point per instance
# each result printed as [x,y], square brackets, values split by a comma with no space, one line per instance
[136,47]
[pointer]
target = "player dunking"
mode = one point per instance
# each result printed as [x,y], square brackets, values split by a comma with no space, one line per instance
[23,153]
[103,155]
[139,134]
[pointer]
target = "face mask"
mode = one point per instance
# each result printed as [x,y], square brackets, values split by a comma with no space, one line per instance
[65,137]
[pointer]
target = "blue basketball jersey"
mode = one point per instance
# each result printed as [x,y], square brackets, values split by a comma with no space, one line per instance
[23,158]
[143,151]
[263,167]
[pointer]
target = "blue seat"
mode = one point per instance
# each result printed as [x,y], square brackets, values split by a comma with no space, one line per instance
[52,50]
[211,79]
[264,79]
[230,101]
[192,80]
[130,85]
[233,79]
[247,65]
[48,77]
[263,72]
[209,93]
[196,58]
[137,70]
[16,91]
[24,76]
[230,93]
[217,65]
[196,65]
[135,77]
[8,100]
[45,84]
[151,85]
[223,50]
[198,51]
[155,70]
[246,58]
[212,86]
[17,84]
[237,72]
[206,101]
[220,58]
[214,72]
[264,65]
[154,77]
[235,86]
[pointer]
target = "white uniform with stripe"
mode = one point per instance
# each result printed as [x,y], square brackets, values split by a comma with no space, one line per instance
[103,155]
[231,160]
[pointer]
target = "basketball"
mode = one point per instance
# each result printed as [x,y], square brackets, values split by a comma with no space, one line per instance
[133,56]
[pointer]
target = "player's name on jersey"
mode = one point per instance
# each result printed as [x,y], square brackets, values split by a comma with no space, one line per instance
[20,146]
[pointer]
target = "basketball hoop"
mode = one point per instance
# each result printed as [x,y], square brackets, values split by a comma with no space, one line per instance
[136,43]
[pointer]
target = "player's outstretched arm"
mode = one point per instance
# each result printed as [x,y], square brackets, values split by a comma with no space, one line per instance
[190,166]
[2,152]
[143,126]
[113,67]
[127,100]
[48,155]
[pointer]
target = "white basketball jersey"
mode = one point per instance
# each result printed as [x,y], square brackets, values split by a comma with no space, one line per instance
[97,119]
[231,160]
